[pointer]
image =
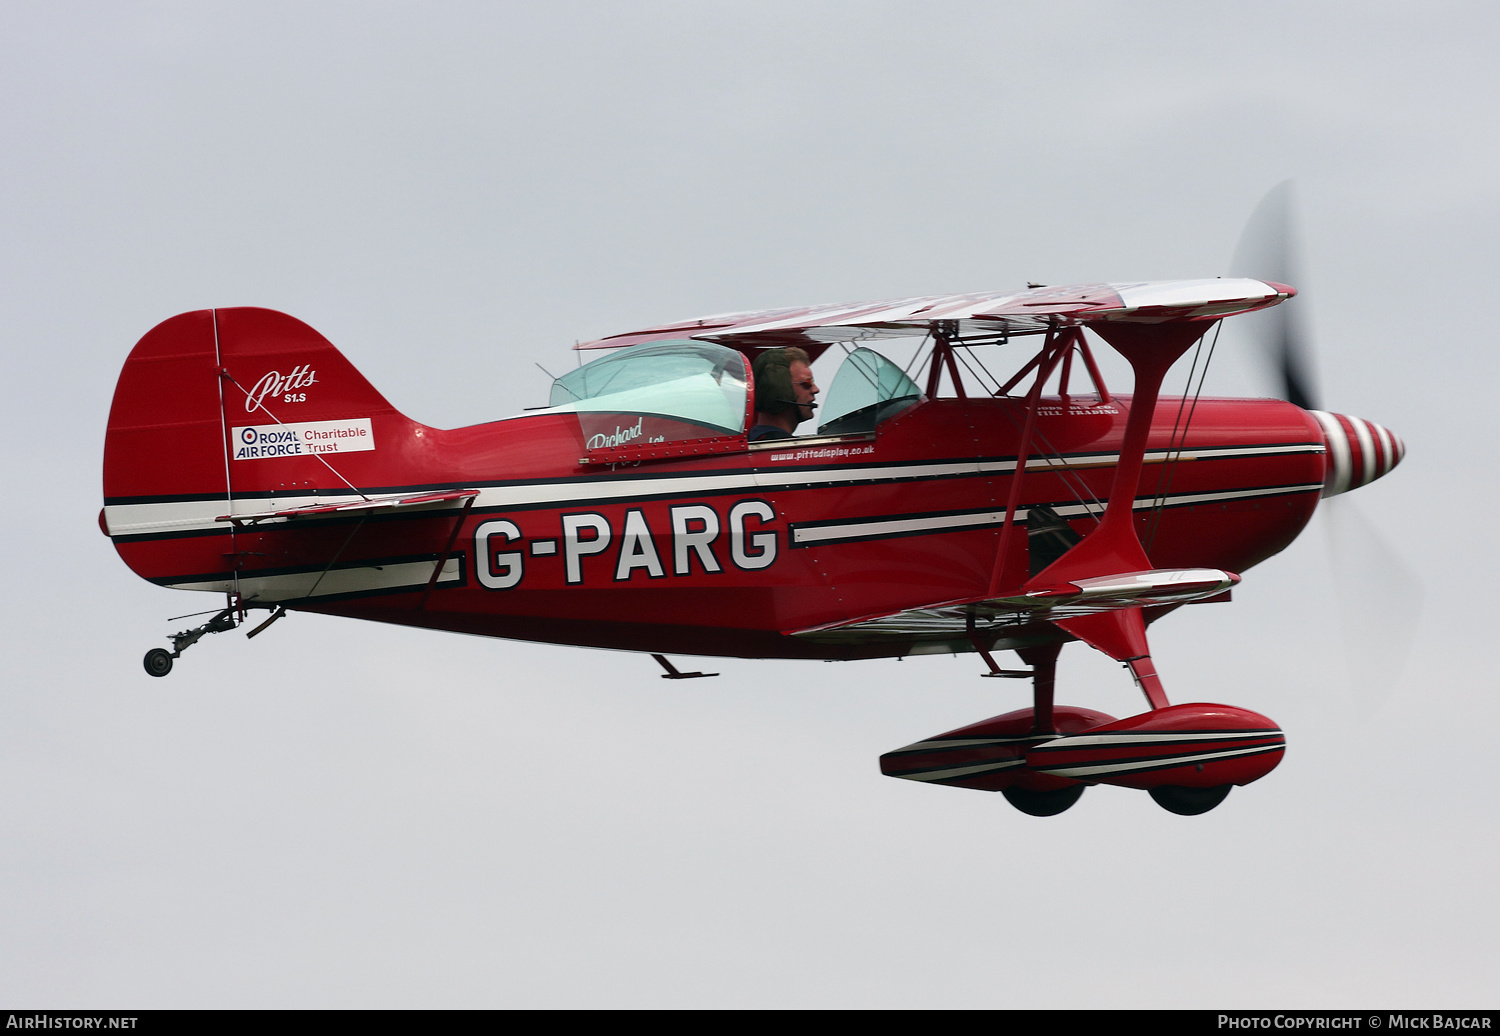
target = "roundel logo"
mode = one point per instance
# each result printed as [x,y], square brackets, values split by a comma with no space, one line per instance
[247,436]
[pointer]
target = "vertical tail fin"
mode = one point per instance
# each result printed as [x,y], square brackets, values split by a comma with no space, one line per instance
[231,411]
[249,402]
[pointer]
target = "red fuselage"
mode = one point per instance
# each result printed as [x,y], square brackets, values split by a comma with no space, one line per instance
[728,553]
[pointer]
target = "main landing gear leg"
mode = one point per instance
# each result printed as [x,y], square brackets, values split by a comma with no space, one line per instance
[158,661]
[1144,671]
[1042,802]
[1043,661]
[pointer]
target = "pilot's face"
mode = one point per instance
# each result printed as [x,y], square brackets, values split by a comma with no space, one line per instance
[804,390]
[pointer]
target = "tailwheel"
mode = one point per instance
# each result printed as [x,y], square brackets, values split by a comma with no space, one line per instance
[1189,802]
[1044,803]
[158,662]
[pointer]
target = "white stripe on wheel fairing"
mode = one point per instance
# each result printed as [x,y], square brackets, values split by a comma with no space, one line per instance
[1126,740]
[1160,763]
[961,771]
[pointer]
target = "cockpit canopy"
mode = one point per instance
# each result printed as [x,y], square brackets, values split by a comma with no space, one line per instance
[670,391]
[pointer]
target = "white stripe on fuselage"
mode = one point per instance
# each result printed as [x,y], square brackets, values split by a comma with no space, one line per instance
[877,528]
[167,517]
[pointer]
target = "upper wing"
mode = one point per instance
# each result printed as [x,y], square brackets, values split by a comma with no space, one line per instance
[982,313]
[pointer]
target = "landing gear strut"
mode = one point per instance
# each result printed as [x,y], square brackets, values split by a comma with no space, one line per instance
[1047,802]
[158,661]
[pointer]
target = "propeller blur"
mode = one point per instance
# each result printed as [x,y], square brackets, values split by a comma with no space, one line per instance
[1380,598]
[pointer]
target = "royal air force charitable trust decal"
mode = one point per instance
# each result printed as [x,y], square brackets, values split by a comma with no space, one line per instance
[259,442]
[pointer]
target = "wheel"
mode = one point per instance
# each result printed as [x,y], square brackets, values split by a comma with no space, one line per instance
[1043,803]
[1189,802]
[158,662]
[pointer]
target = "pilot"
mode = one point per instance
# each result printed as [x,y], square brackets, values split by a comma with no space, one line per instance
[784,393]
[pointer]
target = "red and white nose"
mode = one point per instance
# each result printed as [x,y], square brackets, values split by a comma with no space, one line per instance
[1359,451]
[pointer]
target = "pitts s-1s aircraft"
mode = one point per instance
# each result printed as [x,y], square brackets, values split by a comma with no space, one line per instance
[939,508]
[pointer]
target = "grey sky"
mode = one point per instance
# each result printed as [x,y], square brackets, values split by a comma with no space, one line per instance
[339,814]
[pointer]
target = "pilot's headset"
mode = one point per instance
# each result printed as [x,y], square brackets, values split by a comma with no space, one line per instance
[773,380]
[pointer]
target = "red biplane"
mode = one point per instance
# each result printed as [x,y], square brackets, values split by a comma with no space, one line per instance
[992,495]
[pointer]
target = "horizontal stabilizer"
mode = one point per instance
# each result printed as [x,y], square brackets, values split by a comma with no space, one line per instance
[405,501]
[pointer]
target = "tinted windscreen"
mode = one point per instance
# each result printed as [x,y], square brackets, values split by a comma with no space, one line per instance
[867,389]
